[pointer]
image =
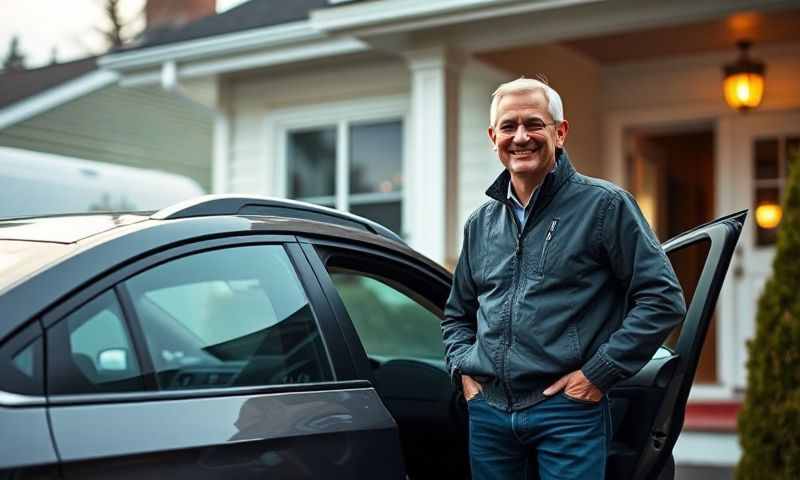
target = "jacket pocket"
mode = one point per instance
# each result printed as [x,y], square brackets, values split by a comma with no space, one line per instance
[542,255]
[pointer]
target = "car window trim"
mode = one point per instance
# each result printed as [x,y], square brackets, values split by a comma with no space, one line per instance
[164,395]
[131,319]
[339,358]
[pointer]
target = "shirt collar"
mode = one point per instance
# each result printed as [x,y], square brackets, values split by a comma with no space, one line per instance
[511,196]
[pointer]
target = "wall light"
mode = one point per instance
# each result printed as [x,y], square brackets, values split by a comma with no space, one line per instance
[768,215]
[744,80]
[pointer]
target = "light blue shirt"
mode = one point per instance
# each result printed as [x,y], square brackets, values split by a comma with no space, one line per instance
[520,210]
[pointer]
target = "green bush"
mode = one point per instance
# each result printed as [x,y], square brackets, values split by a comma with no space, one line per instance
[769,424]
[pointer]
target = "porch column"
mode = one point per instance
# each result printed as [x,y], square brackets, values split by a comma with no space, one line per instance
[430,207]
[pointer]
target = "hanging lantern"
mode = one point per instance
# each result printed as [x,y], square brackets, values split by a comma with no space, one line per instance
[744,80]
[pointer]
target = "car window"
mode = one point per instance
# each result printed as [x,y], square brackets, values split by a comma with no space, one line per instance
[91,351]
[21,358]
[389,322]
[230,317]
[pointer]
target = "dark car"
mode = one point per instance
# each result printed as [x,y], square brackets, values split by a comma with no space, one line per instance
[238,337]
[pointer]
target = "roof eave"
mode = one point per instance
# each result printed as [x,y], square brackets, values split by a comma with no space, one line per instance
[210,47]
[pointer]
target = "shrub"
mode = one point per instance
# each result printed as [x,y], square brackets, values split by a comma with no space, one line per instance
[769,424]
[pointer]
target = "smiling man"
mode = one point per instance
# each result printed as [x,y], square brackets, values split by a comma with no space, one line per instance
[561,291]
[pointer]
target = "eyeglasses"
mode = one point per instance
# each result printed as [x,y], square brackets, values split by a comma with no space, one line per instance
[532,125]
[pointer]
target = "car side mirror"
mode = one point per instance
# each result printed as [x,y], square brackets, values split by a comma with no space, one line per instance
[113,359]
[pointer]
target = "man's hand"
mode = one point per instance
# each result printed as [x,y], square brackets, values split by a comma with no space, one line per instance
[575,385]
[471,387]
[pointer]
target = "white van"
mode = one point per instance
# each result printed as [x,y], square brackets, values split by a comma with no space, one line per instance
[35,183]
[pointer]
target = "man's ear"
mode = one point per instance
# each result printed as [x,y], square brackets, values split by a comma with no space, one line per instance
[561,133]
[492,137]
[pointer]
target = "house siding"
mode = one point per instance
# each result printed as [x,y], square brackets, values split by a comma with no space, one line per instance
[137,127]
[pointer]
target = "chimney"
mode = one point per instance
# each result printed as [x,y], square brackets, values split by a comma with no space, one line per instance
[167,14]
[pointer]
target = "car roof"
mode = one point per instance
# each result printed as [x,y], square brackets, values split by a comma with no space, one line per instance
[61,253]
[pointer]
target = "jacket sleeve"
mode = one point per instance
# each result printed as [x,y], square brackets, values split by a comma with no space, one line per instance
[654,299]
[459,324]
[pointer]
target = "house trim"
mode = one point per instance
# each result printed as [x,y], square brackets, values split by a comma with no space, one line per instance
[267,37]
[53,97]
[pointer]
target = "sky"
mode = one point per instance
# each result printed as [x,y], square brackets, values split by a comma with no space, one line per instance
[66,25]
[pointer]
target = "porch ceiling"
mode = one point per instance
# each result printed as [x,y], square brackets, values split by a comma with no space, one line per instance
[718,34]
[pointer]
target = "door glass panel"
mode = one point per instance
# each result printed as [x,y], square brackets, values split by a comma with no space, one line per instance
[312,164]
[792,153]
[688,263]
[389,322]
[376,157]
[231,317]
[765,155]
[765,197]
[90,351]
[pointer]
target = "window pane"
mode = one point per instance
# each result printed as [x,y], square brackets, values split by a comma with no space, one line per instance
[766,196]
[90,351]
[766,158]
[231,317]
[389,323]
[376,153]
[792,153]
[388,214]
[21,357]
[312,163]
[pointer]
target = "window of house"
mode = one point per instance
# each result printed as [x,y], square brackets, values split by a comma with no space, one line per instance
[228,318]
[346,157]
[772,157]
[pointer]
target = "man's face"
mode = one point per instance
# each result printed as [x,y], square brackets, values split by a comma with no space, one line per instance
[525,135]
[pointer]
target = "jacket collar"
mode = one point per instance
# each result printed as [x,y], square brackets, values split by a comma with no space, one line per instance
[551,184]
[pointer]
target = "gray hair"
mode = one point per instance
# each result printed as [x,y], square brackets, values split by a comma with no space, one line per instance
[523,85]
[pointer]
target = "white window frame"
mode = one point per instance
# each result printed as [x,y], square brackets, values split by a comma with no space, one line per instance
[279,123]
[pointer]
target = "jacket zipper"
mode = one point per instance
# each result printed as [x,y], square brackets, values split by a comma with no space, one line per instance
[518,253]
[547,239]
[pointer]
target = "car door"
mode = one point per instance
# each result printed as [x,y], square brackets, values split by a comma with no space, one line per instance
[389,306]
[648,409]
[217,359]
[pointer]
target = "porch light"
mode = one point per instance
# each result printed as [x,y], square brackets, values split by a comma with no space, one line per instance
[744,80]
[768,215]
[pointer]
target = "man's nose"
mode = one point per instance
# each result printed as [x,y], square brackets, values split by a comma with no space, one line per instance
[521,134]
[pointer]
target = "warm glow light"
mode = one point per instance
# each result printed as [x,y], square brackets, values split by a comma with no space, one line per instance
[744,90]
[768,215]
[744,80]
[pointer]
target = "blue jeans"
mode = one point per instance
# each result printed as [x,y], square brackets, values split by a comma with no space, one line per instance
[568,438]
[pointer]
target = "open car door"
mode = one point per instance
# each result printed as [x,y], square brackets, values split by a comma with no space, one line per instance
[647,409]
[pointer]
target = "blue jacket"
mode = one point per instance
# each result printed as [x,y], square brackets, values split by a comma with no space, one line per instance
[585,285]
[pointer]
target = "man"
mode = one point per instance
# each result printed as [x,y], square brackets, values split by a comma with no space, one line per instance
[561,291]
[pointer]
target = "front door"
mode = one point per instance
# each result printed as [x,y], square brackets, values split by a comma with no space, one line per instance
[760,148]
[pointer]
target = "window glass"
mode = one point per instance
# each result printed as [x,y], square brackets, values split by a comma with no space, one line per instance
[312,164]
[21,363]
[91,351]
[376,157]
[231,317]
[389,323]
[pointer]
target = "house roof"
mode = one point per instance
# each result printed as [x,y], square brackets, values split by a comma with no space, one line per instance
[19,85]
[249,15]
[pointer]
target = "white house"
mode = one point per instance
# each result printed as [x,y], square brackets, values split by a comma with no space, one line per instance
[380,108]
